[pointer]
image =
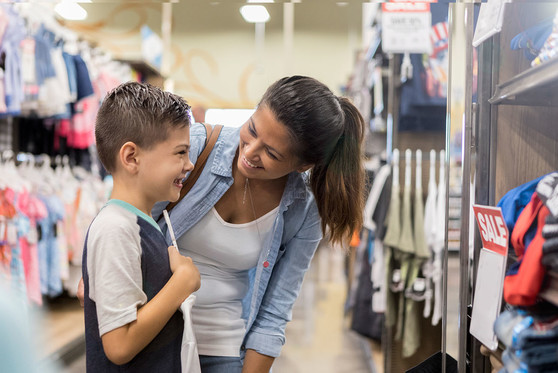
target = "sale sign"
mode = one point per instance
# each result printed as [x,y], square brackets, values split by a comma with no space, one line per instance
[489,284]
[406,27]
[493,230]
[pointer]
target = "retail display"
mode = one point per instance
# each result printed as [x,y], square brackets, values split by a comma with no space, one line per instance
[44,215]
[515,99]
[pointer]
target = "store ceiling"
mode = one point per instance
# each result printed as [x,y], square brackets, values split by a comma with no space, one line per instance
[215,16]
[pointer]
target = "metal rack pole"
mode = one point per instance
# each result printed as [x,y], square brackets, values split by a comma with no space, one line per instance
[469,116]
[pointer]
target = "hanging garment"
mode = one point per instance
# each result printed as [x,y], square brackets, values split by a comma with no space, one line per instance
[84,86]
[7,214]
[405,249]
[6,133]
[374,196]
[391,240]
[429,234]
[378,264]
[357,269]
[72,75]
[33,209]
[365,321]
[3,107]
[416,287]
[438,247]
[378,277]
[17,231]
[13,78]
[50,259]
[54,91]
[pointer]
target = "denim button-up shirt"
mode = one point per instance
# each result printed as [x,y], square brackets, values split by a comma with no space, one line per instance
[289,248]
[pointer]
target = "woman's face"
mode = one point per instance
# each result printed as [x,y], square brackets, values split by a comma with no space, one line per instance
[265,151]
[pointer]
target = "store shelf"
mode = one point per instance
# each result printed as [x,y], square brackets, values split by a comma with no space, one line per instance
[536,86]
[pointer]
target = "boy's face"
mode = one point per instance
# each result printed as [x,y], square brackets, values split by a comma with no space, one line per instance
[165,165]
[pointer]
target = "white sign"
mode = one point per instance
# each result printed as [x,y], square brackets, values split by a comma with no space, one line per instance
[489,285]
[490,21]
[406,28]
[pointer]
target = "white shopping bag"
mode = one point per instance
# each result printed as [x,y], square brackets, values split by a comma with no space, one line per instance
[189,356]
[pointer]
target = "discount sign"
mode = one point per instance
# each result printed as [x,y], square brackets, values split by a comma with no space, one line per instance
[489,284]
[493,230]
[406,27]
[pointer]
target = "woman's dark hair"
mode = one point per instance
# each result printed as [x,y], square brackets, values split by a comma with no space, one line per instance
[327,131]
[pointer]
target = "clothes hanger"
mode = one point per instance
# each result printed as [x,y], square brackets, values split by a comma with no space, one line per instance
[395,167]
[432,171]
[418,173]
[408,156]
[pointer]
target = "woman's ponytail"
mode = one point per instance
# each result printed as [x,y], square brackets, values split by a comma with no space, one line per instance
[327,132]
[338,182]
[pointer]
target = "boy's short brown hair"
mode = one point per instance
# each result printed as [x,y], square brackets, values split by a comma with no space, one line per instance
[140,113]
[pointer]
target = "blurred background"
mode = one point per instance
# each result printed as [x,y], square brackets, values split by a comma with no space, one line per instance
[221,56]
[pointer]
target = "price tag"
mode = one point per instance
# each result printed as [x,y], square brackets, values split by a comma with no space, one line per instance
[489,284]
[406,27]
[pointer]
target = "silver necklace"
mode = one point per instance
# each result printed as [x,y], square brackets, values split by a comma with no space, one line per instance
[247,187]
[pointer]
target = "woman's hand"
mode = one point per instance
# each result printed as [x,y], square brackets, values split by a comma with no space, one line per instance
[255,362]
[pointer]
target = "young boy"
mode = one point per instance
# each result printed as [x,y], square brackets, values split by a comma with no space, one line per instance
[134,284]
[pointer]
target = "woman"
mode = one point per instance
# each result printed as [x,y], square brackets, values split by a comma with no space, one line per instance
[254,218]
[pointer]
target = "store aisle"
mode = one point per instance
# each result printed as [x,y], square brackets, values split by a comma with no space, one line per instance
[318,338]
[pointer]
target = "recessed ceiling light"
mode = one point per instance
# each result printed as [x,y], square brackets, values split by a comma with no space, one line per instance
[254,13]
[71,10]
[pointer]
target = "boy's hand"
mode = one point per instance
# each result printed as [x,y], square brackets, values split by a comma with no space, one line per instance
[183,266]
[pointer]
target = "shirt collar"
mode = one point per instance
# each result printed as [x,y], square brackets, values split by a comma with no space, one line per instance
[225,151]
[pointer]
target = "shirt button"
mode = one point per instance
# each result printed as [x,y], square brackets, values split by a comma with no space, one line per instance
[243,348]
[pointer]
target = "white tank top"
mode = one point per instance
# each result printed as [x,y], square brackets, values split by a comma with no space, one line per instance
[223,253]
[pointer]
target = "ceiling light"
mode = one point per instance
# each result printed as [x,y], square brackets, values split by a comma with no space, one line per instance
[259,1]
[71,11]
[254,13]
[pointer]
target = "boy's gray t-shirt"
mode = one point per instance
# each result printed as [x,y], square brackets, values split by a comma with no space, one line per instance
[125,265]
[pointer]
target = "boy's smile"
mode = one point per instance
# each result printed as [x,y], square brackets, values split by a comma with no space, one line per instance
[163,167]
